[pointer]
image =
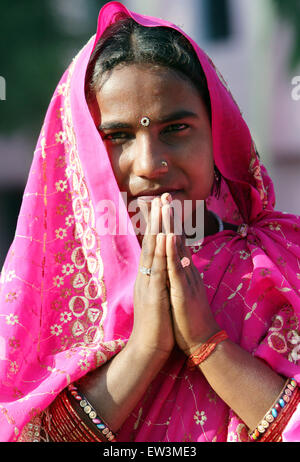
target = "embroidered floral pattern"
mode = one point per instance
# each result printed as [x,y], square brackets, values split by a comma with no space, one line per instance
[11,297]
[58,281]
[68,269]
[56,329]
[60,233]
[70,220]
[60,137]
[283,336]
[244,255]
[12,319]
[61,185]
[10,276]
[65,317]
[200,418]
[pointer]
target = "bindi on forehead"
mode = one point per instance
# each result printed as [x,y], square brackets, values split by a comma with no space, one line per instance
[134,92]
[170,117]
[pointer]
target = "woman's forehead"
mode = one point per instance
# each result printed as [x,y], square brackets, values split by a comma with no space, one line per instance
[142,88]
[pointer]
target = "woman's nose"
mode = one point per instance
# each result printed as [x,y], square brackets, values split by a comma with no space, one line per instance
[149,157]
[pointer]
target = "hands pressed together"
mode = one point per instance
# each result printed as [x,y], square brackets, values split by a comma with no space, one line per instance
[171,308]
[170,304]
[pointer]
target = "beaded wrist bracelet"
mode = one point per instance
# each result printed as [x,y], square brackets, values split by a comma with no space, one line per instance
[63,424]
[91,413]
[283,399]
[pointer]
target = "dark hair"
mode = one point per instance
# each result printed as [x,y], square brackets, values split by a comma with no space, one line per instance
[127,42]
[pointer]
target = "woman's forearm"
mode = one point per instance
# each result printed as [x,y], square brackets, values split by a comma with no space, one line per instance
[246,384]
[116,388]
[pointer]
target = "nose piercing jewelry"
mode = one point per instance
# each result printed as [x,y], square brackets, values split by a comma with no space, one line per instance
[145,121]
[164,163]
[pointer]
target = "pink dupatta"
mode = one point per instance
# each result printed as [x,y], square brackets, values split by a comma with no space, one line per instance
[66,292]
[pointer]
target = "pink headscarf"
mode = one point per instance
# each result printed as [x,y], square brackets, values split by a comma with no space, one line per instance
[66,292]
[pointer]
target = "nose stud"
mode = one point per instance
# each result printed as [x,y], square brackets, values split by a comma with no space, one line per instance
[164,163]
[145,121]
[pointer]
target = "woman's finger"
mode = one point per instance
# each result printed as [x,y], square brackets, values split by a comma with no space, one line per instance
[167,214]
[159,263]
[153,256]
[149,240]
[167,219]
[185,257]
[177,274]
[155,216]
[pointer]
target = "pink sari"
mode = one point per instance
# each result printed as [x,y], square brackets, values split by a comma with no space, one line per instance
[66,292]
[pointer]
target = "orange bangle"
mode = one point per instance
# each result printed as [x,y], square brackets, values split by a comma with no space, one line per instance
[206,349]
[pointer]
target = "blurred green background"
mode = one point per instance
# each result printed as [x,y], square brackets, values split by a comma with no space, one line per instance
[38,39]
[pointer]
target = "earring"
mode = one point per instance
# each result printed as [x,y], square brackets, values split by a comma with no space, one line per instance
[216,189]
[217,175]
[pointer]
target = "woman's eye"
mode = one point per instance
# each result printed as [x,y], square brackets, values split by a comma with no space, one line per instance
[174,128]
[115,137]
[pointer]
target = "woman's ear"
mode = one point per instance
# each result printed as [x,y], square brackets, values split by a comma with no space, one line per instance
[217,182]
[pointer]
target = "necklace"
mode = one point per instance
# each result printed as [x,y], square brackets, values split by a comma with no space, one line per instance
[220,222]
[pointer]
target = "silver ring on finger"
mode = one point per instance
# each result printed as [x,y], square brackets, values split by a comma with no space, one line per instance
[146,271]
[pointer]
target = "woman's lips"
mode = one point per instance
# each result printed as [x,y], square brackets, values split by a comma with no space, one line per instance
[150,198]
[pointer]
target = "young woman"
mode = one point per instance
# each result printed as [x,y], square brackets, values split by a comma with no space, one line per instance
[113,336]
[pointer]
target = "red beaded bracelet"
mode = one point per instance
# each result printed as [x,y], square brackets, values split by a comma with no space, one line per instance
[65,425]
[275,413]
[101,426]
[89,434]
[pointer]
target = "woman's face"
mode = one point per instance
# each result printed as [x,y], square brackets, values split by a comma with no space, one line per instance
[179,133]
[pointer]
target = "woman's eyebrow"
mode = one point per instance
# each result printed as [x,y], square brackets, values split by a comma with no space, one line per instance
[181,114]
[113,126]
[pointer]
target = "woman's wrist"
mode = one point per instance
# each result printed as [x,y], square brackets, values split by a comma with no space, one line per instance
[115,388]
[206,349]
[200,340]
[147,351]
[245,383]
